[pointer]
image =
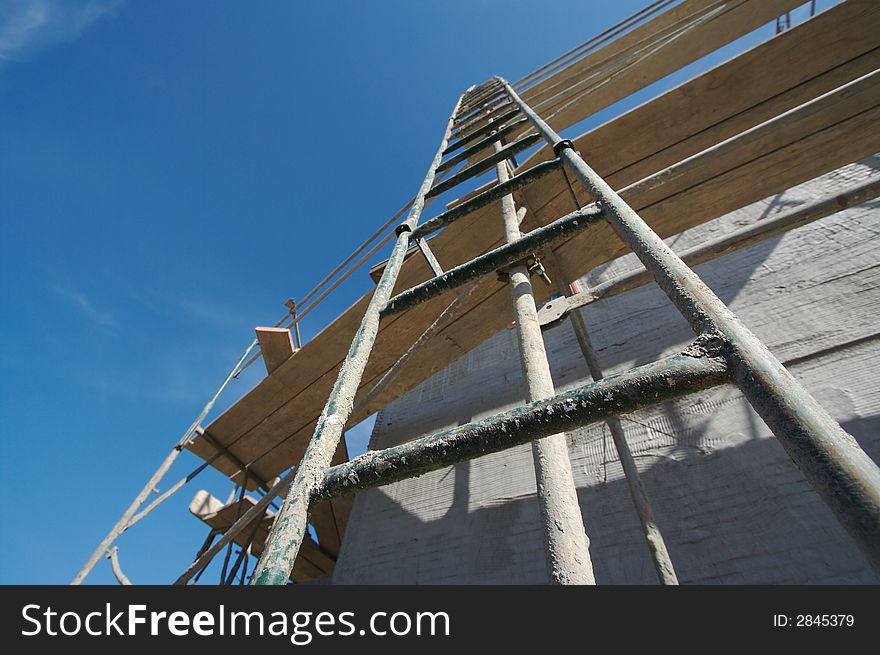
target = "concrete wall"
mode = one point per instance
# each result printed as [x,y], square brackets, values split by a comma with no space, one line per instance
[732,507]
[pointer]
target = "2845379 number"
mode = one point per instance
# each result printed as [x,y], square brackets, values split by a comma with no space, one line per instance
[814,621]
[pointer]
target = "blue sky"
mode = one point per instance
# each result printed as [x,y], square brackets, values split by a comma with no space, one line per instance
[172,172]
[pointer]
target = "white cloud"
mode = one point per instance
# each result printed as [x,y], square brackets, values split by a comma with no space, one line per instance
[205,312]
[31,26]
[82,302]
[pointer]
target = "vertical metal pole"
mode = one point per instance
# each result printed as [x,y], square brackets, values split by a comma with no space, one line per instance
[123,522]
[830,458]
[566,544]
[287,532]
[653,536]
[291,304]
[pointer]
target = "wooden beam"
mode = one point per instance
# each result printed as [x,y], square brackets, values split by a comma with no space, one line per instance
[667,43]
[276,345]
[311,564]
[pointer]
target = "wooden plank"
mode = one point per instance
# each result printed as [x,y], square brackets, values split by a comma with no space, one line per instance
[722,102]
[720,25]
[672,40]
[311,564]
[732,97]
[257,424]
[276,346]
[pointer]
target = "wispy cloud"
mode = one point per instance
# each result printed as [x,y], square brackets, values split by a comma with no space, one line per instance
[31,26]
[205,312]
[81,301]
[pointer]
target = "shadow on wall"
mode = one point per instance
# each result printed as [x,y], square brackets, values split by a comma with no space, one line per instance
[732,506]
[788,536]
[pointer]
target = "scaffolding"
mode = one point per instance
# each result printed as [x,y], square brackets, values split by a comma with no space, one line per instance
[815,117]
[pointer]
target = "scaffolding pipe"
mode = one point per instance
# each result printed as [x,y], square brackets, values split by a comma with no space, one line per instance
[482,144]
[654,538]
[479,117]
[113,556]
[698,367]
[285,538]
[124,521]
[651,531]
[742,238]
[177,486]
[501,257]
[483,130]
[830,458]
[566,545]
[486,197]
[436,326]
[480,167]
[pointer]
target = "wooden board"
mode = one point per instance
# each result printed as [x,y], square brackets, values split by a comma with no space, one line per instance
[312,562]
[276,346]
[672,40]
[278,416]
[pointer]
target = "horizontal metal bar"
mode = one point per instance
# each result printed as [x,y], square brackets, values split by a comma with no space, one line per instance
[493,97]
[742,238]
[482,87]
[482,109]
[228,454]
[505,255]
[479,117]
[482,144]
[480,92]
[699,367]
[478,95]
[485,164]
[478,102]
[488,196]
[498,120]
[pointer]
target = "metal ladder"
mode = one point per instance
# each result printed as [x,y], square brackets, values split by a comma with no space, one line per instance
[723,352]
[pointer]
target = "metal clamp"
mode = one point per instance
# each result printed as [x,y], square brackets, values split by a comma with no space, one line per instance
[533,266]
[559,146]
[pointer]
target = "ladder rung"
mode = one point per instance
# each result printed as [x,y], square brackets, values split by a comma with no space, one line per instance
[482,104]
[483,143]
[666,379]
[476,117]
[536,172]
[483,87]
[482,99]
[510,253]
[485,164]
[483,130]
[485,90]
